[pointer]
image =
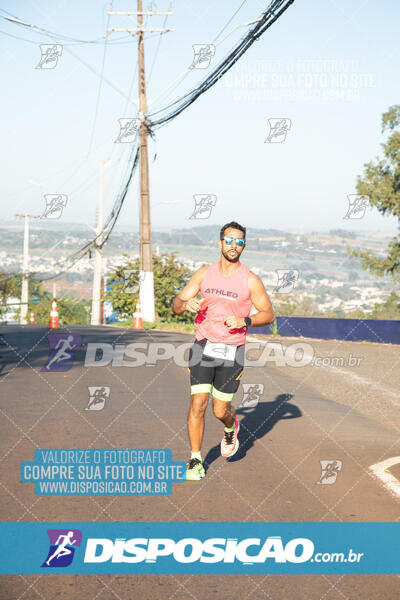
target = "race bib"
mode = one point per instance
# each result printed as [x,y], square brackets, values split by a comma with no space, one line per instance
[219,350]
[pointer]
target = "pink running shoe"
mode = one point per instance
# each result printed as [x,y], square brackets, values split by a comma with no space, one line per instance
[230,442]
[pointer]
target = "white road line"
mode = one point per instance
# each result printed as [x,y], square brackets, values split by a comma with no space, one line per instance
[390,482]
[368,382]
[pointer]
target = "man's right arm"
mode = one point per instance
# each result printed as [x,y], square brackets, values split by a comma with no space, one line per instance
[186,299]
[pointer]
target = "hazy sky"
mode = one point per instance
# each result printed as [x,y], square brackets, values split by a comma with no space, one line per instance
[330,67]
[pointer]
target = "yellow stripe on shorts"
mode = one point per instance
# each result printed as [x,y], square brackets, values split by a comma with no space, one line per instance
[222,395]
[200,388]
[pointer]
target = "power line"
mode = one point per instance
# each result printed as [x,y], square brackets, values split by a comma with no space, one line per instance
[87,65]
[59,35]
[171,88]
[74,41]
[228,22]
[99,90]
[16,37]
[266,20]
[109,225]
[76,256]
[29,187]
[270,15]
[116,42]
[157,49]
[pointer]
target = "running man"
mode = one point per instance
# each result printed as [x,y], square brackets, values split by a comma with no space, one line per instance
[62,549]
[228,290]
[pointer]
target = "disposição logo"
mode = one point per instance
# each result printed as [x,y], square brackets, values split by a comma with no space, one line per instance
[63,543]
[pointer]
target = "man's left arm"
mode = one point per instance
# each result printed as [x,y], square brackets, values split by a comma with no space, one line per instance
[261,303]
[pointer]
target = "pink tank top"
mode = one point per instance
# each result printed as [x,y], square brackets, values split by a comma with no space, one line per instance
[224,297]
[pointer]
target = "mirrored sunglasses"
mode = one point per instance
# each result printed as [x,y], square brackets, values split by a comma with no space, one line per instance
[229,240]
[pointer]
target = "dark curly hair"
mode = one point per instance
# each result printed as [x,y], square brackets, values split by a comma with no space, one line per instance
[234,225]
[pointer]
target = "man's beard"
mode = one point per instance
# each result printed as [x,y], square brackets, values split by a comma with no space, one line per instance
[232,259]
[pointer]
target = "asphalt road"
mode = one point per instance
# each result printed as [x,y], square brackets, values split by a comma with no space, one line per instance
[273,477]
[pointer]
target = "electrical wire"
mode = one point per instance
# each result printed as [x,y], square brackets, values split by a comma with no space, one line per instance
[123,39]
[156,52]
[99,91]
[102,40]
[58,35]
[171,111]
[29,187]
[101,238]
[16,37]
[270,15]
[171,88]
[81,60]
[228,22]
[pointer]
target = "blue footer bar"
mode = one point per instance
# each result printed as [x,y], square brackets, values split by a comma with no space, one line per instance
[209,548]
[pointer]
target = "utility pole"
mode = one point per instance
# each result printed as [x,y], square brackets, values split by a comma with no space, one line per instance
[96,294]
[146,255]
[146,258]
[25,270]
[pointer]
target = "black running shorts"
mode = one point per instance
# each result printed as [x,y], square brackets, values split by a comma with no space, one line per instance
[218,376]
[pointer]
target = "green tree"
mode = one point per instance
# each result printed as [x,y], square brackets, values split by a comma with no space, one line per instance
[387,310]
[170,276]
[10,287]
[294,307]
[381,182]
[70,312]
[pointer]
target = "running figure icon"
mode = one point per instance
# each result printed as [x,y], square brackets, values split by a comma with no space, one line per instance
[63,345]
[63,545]
[62,549]
[97,397]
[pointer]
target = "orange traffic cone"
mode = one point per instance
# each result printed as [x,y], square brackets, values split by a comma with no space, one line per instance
[137,318]
[53,321]
[32,318]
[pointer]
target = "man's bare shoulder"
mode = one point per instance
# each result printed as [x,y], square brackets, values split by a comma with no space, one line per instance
[254,280]
[199,274]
